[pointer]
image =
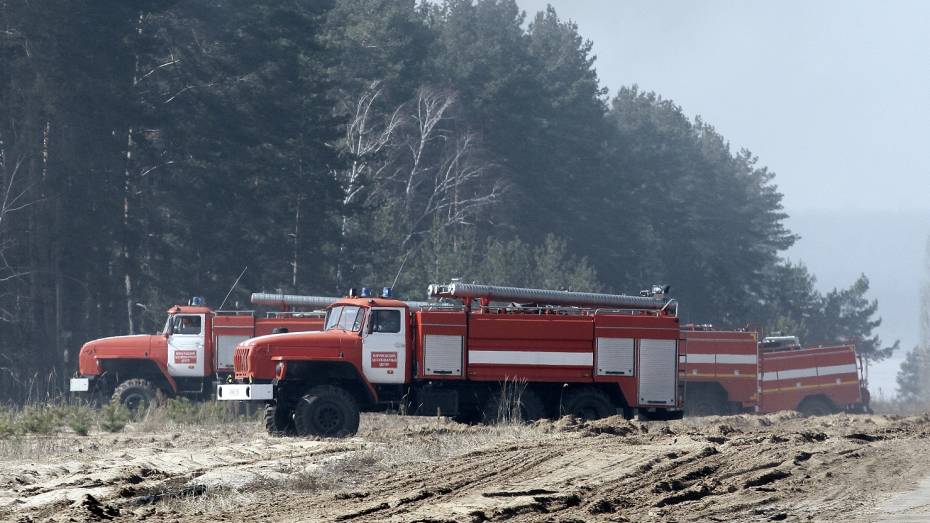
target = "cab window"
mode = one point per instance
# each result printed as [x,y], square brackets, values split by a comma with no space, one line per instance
[183,324]
[344,317]
[385,320]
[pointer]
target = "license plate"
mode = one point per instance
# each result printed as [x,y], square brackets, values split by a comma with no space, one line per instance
[79,385]
[240,392]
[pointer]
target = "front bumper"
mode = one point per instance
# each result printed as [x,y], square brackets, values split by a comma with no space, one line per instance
[245,391]
[79,385]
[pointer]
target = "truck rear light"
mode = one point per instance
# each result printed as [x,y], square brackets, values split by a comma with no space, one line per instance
[280,369]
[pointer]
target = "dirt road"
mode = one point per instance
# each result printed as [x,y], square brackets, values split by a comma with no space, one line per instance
[747,468]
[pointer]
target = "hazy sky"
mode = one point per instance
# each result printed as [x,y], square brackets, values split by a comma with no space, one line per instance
[833,96]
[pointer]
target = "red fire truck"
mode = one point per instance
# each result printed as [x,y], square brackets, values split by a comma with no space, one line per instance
[723,372]
[193,351]
[591,355]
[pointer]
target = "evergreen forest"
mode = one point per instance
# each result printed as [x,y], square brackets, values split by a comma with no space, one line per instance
[151,151]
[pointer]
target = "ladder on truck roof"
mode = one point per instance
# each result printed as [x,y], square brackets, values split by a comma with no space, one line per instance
[292,300]
[296,300]
[470,291]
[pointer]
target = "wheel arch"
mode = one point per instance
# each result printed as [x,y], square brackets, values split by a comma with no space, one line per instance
[704,398]
[126,369]
[613,391]
[816,398]
[300,375]
[706,387]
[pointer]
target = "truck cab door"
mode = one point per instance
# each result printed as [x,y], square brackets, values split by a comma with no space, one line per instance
[185,345]
[384,345]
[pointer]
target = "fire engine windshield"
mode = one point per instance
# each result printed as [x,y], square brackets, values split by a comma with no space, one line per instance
[345,317]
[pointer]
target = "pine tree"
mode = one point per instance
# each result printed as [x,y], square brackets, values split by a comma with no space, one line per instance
[914,374]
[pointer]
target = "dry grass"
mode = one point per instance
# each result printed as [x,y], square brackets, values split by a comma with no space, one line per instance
[895,407]
[50,431]
[509,401]
[179,413]
[35,448]
[216,501]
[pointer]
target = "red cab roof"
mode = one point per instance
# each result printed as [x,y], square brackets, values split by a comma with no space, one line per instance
[187,309]
[370,302]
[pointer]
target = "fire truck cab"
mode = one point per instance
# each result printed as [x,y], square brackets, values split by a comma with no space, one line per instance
[472,356]
[193,351]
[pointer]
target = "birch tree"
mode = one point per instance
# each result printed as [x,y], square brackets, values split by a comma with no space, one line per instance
[446,178]
[13,198]
[416,160]
[368,136]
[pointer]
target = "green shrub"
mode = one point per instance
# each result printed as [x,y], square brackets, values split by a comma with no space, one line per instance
[220,412]
[184,411]
[40,419]
[181,410]
[114,417]
[8,424]
[79,418]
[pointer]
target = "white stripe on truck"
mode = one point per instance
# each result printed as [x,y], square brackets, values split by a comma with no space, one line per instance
[849,368]
[731,359]
[515,357]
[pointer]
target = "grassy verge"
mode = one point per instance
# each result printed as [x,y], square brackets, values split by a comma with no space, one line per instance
[48,418]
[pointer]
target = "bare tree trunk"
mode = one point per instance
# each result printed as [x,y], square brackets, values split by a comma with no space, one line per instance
[127,191]
[296,244]
[127,196]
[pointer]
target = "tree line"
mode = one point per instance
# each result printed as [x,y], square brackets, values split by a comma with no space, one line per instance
[149,151]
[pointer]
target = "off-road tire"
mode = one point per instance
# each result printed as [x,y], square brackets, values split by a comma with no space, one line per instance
[816,406]
[587,403]
[137,395]
[660,415]
[279,421]
[531,408]
[326,411]
[704,402]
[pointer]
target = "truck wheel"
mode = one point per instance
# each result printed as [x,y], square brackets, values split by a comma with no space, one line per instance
[587,403]
[278,421]
[530,408]
[705,403]
[326,411]
[816,406]
[660,415]
[137,395]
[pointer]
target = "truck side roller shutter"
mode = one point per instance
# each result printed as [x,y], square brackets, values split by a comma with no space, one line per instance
[615,356]
[658,366]
[442,355]
[225,348]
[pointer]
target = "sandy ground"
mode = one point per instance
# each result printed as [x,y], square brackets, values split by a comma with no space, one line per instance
[778,467]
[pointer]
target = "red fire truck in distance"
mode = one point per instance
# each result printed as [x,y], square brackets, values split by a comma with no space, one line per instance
[590,355]
[192,353]
[724,372]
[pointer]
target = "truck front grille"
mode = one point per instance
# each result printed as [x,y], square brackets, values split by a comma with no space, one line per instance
[241,360]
